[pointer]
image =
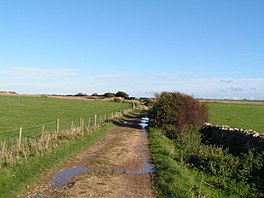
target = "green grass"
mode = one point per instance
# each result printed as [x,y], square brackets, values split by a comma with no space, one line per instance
[176,179]
[15,180]
[246,116]
[188,168]
[31,113]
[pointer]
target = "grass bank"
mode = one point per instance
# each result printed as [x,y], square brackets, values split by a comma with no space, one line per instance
[15,179]
[31,113]
[188,168]
[246,116]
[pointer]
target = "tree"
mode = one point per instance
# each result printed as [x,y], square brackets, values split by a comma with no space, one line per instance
[122,94]
[176,113]
[80,94]
[109,95]
[95,94]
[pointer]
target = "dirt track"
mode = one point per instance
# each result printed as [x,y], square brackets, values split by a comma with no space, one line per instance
[115,167]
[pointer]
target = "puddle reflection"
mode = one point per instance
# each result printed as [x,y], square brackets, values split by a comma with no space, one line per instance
[66,174]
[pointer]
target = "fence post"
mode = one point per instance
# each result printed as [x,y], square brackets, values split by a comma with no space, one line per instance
[80,123]
[20,137]
[57,125]
[95,120]
[42,132]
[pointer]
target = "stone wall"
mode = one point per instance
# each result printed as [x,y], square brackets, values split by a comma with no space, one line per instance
[237,140]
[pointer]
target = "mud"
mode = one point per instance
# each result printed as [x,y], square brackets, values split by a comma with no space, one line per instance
[118,166]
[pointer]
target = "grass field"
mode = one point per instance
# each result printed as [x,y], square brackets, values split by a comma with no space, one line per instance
[246,116]
[32,113]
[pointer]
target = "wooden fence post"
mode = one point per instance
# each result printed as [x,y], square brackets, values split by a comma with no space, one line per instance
[80,123]
[20,137]
[57,125]
[95,120]
[42,132]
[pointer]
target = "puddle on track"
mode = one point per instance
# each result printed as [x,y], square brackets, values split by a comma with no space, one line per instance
[147,166]
[62,177]
[66,174]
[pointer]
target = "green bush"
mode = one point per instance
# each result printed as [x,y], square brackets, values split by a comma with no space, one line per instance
[122,94]
[177,112]
[109,95]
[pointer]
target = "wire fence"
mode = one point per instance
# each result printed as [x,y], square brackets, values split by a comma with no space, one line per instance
[51,127]
[38,139]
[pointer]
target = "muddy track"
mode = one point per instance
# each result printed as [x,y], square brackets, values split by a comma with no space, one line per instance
[117,166]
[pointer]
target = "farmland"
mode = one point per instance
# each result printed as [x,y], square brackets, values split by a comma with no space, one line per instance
[32,113]
[246,116]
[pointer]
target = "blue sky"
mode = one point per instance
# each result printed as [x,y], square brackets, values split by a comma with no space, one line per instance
[205,48]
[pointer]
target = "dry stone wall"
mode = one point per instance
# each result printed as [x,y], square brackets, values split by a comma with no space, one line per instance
[237,140]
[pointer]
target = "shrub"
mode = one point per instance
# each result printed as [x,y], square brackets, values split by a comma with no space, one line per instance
[131,98]
[177,112]
[109,95]
[80,94]
[122,94]
[95,94]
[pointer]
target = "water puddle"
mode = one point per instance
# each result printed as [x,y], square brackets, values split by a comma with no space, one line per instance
[145,119]
[144,122]
[66,174]
[147,168]
[143,125]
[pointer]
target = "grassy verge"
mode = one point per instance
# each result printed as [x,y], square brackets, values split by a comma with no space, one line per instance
[16,179]
[188,168]
[246,116]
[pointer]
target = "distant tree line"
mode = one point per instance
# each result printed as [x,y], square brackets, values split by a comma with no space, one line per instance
[121,94]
